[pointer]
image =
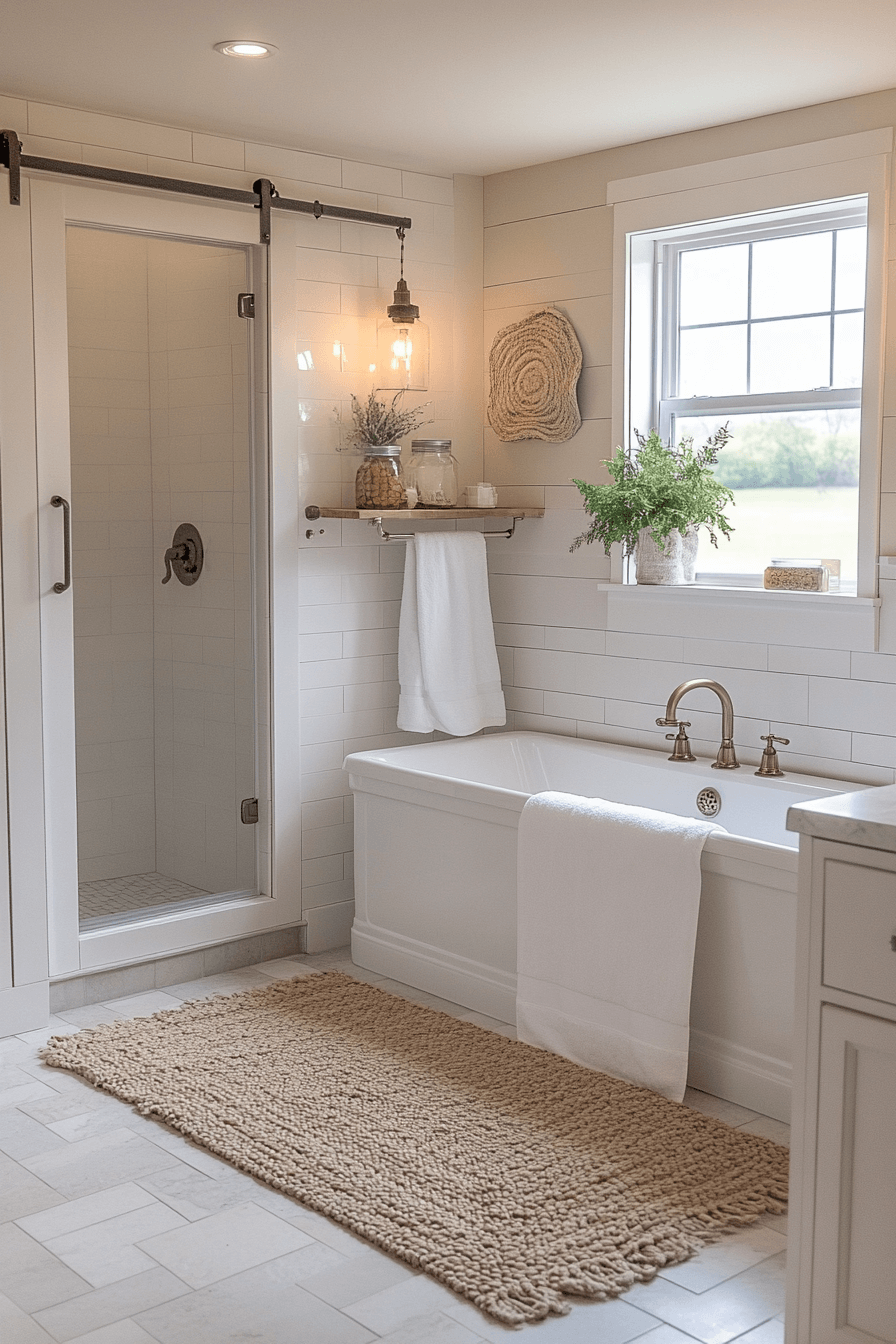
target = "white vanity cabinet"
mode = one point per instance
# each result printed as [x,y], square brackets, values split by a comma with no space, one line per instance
[842,1258]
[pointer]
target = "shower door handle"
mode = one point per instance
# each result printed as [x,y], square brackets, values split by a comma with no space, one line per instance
[59,503]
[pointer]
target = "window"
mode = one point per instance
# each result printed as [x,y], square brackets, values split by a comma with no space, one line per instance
[761,326]
[751,290]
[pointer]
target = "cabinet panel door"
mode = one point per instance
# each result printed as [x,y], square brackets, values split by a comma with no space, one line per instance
[854,1284]
[859,926]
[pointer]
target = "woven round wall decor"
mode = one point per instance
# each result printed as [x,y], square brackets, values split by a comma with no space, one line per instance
[533,367]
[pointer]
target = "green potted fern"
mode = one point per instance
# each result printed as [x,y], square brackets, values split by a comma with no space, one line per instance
[658,499]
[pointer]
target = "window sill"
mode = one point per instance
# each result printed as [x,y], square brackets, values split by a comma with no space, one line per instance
[745,615]
[742,597]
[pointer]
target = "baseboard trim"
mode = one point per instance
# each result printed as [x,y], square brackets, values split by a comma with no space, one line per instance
[24,1008]
[722,1068]
[481,988]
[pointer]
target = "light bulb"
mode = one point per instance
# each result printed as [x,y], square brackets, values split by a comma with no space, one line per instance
[403,348]
[254,50]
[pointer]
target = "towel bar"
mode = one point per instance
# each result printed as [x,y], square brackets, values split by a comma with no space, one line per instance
[402,536]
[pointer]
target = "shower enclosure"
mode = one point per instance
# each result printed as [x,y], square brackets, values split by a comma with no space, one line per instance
[164,663]
[151,379]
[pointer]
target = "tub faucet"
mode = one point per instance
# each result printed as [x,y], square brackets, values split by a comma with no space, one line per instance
[726,759]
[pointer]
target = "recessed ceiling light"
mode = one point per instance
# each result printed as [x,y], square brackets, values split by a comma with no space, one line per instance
[252,50]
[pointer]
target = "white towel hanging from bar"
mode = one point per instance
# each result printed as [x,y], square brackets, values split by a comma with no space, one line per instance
[447,662]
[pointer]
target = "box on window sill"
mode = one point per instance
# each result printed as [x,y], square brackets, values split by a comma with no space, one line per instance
[800,576]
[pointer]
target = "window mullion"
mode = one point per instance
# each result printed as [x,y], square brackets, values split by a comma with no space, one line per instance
[749,314]
[833,299]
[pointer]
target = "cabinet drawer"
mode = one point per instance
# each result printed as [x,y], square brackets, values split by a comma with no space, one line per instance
[859,929]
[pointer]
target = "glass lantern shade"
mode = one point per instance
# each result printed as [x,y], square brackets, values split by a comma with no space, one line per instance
[402,356]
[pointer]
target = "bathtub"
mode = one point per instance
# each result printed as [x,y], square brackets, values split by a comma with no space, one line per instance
[435,884]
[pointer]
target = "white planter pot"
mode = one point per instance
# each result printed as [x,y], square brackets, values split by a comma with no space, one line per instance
[674,564]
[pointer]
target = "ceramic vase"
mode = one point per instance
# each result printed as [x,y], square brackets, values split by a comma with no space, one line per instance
[675,563]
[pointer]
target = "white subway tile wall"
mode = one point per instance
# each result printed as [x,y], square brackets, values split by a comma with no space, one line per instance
[111,552]
[575,659]
[204,655]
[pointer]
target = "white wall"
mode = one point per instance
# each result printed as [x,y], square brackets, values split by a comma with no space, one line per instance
[582,660]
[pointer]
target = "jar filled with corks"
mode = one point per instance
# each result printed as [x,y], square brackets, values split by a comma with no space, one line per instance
[379,483]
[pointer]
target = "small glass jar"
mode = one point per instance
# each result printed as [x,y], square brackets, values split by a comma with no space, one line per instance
[433,471]
[379,482]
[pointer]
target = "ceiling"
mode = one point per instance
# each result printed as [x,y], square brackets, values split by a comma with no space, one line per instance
[446,86]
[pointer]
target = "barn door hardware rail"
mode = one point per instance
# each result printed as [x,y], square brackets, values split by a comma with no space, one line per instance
[264,196]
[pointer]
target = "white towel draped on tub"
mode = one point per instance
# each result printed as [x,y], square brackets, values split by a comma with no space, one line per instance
[607,915]
[447,663]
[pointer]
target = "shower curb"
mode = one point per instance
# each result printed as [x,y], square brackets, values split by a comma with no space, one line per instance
[83,988]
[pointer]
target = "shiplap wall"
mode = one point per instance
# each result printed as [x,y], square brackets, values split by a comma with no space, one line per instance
[582,660]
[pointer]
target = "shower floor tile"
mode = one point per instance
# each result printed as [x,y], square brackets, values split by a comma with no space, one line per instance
[114,895]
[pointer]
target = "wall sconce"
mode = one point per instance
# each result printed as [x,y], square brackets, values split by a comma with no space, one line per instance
[402,342]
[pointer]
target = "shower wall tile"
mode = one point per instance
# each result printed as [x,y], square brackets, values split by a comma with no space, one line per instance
[203,633]
[109,363]
[156,670]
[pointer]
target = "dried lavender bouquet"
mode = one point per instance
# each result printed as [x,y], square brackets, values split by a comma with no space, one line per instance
[379,422]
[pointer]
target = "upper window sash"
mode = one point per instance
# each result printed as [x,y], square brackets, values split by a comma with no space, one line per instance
[816,218]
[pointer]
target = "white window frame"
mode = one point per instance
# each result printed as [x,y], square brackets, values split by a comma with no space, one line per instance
[669,247]
[780,185]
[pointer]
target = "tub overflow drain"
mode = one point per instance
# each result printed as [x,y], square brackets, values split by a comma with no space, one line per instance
[709,802]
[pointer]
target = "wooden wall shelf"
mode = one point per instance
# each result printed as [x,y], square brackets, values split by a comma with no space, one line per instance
[501,511]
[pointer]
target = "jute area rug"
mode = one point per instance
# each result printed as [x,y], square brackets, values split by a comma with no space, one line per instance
[513,1176]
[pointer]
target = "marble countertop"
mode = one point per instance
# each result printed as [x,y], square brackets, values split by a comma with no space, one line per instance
[867,817]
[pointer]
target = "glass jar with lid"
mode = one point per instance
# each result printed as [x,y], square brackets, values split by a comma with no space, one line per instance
[433,471]
[379,482]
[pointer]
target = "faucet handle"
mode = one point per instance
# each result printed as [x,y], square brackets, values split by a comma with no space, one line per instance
[768,766]
[682,748]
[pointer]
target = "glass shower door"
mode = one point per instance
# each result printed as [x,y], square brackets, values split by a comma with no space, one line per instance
[164,653]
